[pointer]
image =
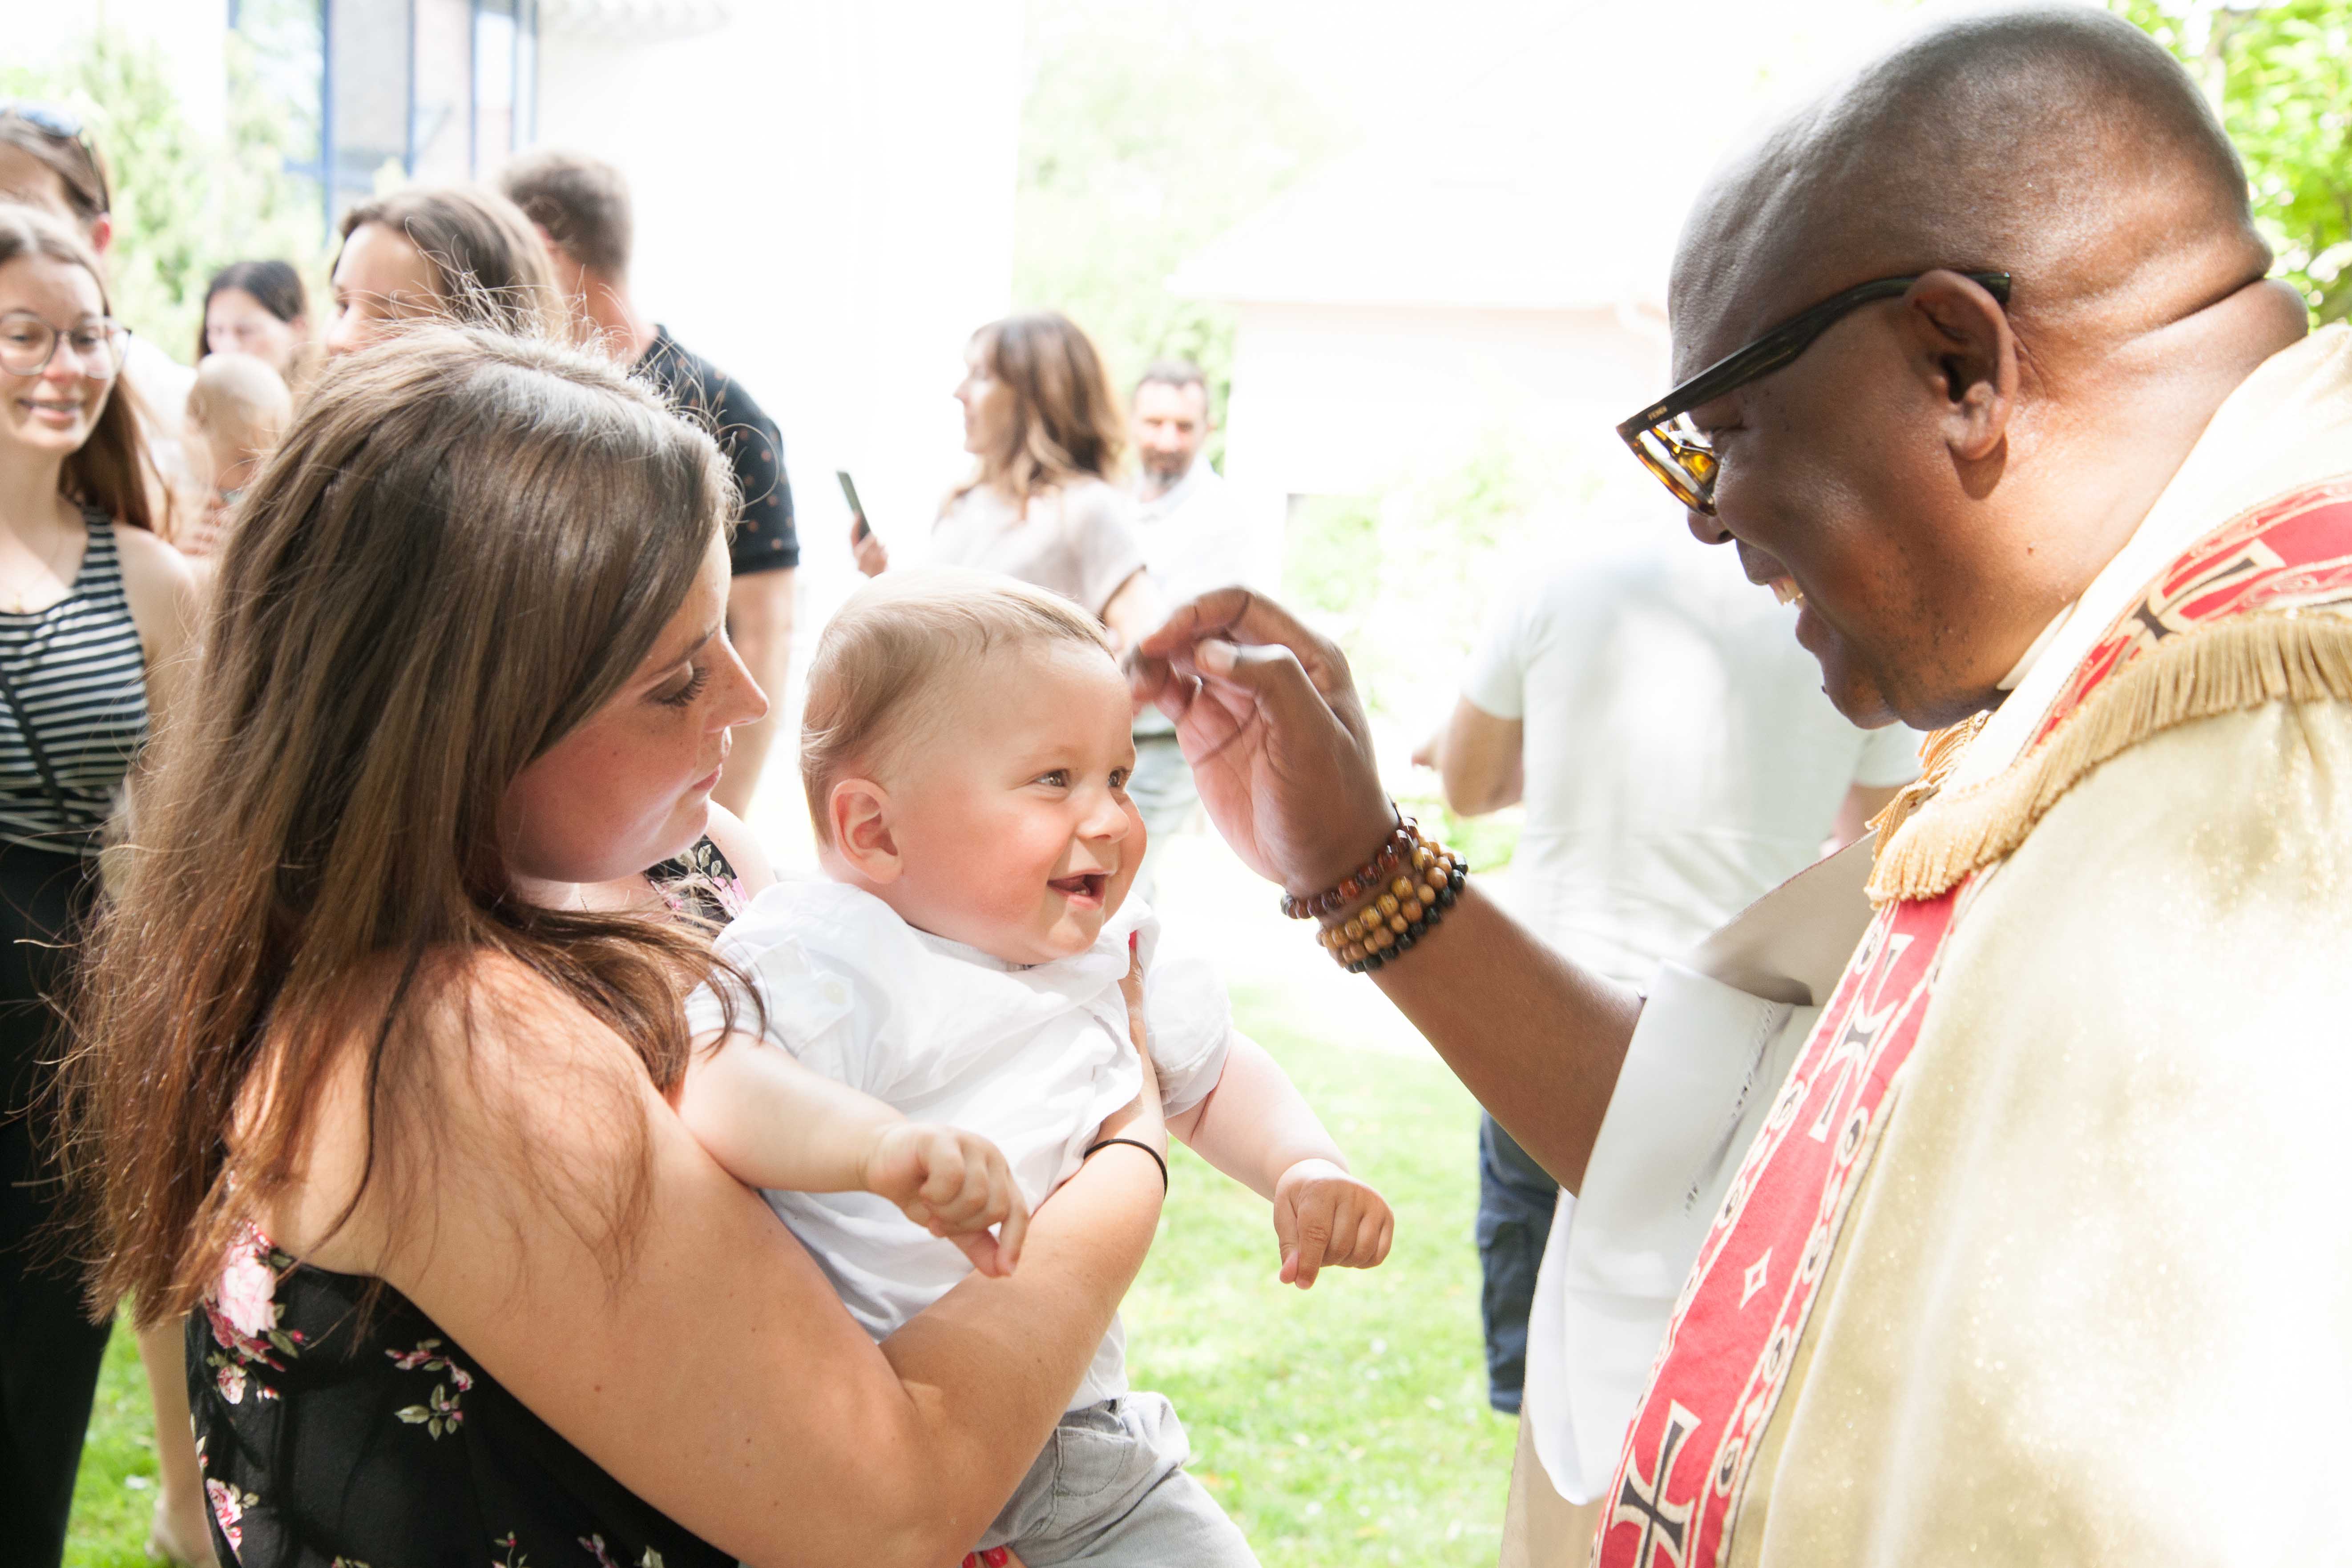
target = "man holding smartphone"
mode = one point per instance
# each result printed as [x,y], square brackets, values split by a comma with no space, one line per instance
[580,207]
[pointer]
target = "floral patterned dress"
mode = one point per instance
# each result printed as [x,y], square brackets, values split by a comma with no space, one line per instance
[333,1436]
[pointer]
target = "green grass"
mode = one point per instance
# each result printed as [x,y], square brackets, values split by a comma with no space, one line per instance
[1342,1424]
[115,1494]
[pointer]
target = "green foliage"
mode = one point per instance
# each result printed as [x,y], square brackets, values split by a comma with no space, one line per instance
[1141,141]
[186,204]
[2283,76]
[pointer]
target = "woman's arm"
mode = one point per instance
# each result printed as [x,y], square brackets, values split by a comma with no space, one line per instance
[162,588]
[1268,717]
[710,1366]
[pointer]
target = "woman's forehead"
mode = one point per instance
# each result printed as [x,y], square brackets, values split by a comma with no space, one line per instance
[36,282]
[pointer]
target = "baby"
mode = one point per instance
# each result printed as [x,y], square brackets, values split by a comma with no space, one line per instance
[237,412]
[965,755]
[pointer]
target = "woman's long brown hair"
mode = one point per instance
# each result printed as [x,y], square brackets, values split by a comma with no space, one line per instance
[464,546]
[1066,424]
[113,471]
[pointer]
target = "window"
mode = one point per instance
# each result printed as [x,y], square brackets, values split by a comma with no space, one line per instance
[437,90]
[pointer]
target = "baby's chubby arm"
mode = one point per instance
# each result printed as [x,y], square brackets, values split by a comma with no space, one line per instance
[770,1123]
[1256,1128]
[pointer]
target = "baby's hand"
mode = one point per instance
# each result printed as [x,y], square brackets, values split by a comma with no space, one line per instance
[955,1185]
[1322,1215]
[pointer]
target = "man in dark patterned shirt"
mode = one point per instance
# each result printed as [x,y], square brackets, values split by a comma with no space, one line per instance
[581,206]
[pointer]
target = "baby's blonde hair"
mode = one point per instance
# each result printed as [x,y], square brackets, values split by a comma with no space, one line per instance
[240,403]
[882,657]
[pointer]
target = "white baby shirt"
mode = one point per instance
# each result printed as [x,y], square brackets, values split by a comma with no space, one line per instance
[1031,1059]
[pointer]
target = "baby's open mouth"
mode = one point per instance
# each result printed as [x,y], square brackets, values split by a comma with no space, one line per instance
[1086,885]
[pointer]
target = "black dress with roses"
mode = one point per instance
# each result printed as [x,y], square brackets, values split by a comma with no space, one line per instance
[337,1431]
[328,1436]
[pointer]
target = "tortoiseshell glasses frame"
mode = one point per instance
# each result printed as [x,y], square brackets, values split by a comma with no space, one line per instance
[1662,436]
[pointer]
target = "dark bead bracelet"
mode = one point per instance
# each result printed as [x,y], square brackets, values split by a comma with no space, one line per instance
[1393,852]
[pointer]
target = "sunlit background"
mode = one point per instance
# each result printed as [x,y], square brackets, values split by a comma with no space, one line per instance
[1419,249]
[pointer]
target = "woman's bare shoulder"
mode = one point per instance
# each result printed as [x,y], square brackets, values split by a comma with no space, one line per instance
[485,1076]
[164,591]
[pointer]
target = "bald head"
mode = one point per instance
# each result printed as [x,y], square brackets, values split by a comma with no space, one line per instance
[2062,146]
[1939,474]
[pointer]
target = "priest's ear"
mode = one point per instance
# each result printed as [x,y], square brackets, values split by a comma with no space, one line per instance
[1965,350]
[857,811]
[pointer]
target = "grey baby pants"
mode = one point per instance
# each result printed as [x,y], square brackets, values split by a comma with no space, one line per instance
[1110,1492]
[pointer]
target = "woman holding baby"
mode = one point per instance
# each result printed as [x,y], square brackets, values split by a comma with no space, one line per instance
[379,1045]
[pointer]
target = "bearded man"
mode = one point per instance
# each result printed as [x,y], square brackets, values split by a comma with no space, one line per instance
[1987,1214]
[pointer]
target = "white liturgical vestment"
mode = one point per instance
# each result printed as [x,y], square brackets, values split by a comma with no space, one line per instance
[1721,1028]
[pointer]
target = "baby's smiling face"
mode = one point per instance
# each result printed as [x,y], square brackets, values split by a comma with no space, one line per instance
[1007,811]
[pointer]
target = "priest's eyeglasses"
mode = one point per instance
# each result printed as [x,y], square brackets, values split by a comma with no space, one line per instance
[1662,436]
[29,343]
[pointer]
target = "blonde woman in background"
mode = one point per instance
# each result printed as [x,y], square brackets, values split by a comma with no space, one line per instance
[1040,416]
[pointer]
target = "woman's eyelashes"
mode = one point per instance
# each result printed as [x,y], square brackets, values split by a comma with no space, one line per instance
[683,694]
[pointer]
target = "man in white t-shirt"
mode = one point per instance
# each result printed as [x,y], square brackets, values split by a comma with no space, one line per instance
[1195,537]
[1677,760]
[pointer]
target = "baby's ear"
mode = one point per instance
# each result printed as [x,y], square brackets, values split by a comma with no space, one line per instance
[859,813]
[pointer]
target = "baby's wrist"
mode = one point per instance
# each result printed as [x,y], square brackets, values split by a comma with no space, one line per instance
[1332,1159]
[873,1157]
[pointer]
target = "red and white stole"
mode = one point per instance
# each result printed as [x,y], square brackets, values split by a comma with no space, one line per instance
[1724,1367]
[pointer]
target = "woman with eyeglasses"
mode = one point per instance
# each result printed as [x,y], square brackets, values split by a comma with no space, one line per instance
[94,611]
[47,161]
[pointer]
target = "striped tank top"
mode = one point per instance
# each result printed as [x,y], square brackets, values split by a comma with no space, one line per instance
[78,676]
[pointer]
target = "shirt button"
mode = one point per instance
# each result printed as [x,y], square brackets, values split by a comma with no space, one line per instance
[835,992]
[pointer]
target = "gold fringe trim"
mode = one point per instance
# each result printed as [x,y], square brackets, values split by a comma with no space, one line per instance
[2297,655]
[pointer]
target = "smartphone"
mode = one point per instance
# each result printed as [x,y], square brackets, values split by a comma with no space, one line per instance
[849,494]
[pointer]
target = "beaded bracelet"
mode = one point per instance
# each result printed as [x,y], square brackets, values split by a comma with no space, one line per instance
[1372,873]
[1385,929]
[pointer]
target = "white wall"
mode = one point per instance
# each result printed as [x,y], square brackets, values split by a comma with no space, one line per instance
[1338,400]
[824,208]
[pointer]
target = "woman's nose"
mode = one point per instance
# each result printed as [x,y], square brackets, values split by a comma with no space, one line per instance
[746,702]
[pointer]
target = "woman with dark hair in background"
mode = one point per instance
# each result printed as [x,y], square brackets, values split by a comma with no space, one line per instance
[259,307]
[1040,416]
[458,252]
[375,1048]
[94,610]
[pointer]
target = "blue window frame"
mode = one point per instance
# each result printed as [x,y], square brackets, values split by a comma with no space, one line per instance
[438,89]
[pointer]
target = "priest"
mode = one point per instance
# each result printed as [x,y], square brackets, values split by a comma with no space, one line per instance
[1974,1197]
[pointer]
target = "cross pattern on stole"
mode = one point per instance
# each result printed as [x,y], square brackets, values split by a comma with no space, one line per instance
[1643,1503]
[1870,1015]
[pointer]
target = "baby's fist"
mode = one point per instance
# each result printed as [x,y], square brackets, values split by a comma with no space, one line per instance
[1324,1216]
[954,1185]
